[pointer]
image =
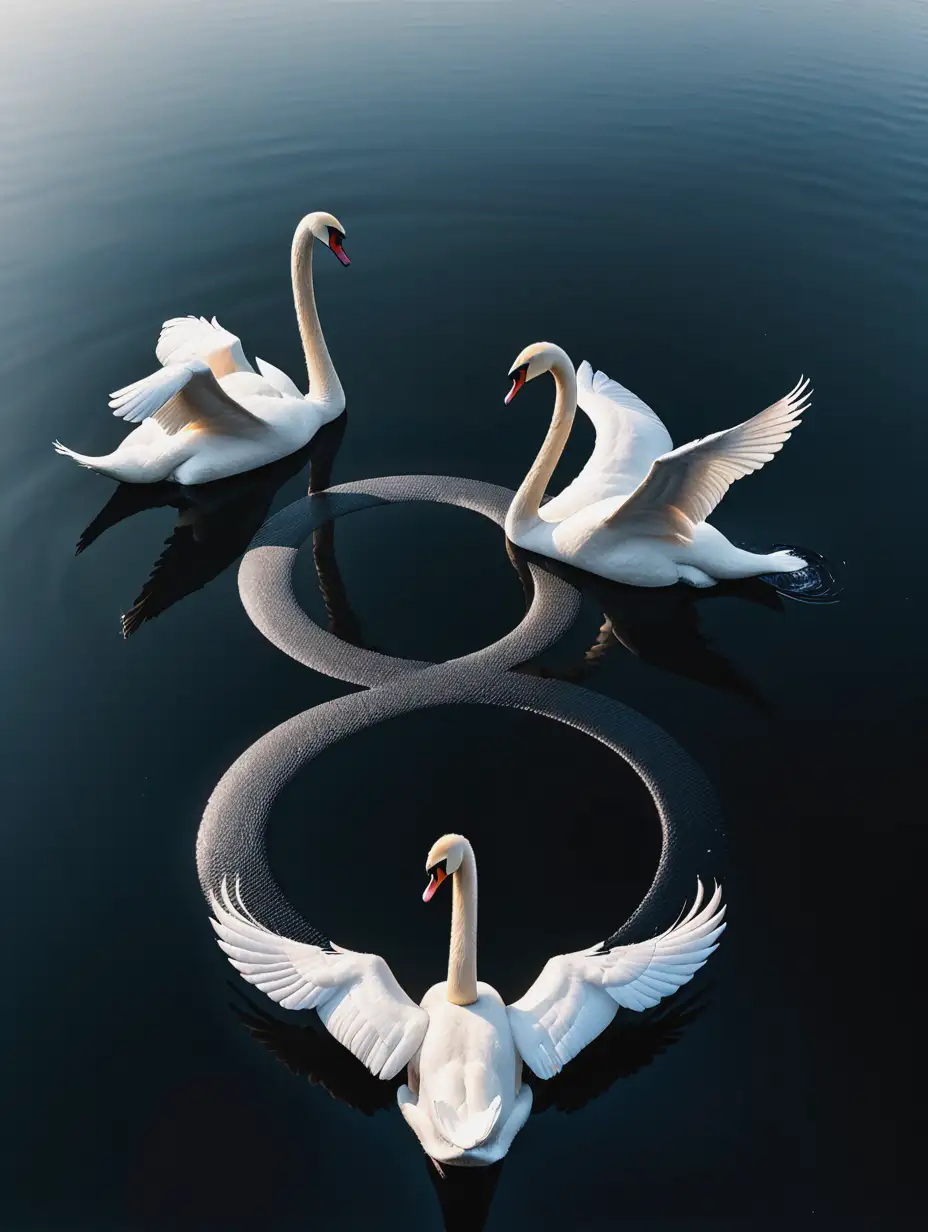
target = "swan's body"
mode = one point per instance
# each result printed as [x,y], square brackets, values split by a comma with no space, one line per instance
[636,512]
[463,1047]
[206,413]
[464,1099]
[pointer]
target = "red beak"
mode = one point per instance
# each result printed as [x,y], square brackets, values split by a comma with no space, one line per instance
[335,243]
[517,382]
[434,882]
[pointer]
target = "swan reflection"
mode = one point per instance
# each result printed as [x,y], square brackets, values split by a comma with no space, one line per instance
[216,523]
[659,626]
[465,1194]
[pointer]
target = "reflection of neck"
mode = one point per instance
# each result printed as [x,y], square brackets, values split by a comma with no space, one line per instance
[523,512]
[462,956]
[324,385]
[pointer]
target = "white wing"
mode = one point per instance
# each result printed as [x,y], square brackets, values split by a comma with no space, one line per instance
[356,995]
[278,379]
[186,338]
[187,396]
[629,436]
[576,996]
[683,487]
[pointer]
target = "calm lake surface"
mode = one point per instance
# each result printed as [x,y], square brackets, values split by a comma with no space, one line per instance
[705,198]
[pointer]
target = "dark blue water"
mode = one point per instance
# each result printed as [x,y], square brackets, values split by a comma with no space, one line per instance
[704,198]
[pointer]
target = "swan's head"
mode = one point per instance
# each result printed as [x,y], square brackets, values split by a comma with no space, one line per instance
[329,231]
[444,859]
[536,359]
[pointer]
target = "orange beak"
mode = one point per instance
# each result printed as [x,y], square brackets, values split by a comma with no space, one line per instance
[434,882]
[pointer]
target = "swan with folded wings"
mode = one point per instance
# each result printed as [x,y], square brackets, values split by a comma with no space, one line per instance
[637,511]
[462,1048]
[206,413]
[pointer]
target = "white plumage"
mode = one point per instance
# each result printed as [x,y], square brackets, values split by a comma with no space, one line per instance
[629,436]
[577,995]
[463,1048]
[206,413]
[637,511]
[355,995]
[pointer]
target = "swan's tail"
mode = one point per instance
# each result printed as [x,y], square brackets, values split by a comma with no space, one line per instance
[113,466]
[813,582]
[466,1132]
[92,464]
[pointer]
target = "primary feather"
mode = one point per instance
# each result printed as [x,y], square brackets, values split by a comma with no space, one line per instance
[576,996]
[356,995]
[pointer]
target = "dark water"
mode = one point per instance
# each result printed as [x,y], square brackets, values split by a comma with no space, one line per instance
[703,198]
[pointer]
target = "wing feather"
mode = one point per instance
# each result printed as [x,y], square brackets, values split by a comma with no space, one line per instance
[183,396]
[185,338]
[683,487]
[629,436]
[356,995]
[577,995]
[278,379]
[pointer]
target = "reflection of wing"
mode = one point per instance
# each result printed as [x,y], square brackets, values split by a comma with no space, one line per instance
[623,1050]
[315,1055]
[629,436]
[577,995]
[217,522]
[684,486]
[128,500]
[659,626]
[664,630]
[188,396]
[356,995]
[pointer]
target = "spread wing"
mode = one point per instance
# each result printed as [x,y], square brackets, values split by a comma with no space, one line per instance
[629,436]
[577,995]
[186,338]
[684,486]
[183,396]
[356,995]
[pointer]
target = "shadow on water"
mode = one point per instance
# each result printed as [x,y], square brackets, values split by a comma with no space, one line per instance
[659,626]
[216,523]
[465,1195]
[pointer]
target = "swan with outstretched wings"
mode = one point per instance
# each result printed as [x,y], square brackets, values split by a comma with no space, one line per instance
[462,1048]
[637,511]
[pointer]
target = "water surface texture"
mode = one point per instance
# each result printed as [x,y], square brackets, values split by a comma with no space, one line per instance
[705,198]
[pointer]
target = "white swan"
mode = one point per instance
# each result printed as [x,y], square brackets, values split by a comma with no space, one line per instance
[636,512]
[206,413]
[464,1097]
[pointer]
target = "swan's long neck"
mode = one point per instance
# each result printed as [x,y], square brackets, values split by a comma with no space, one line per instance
[462,956]
[523,512]
[324,385]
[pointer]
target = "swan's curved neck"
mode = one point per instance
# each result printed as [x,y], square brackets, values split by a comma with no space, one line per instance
[324,385]
[462,956]
[523,512]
